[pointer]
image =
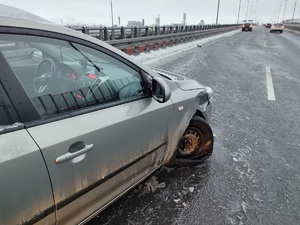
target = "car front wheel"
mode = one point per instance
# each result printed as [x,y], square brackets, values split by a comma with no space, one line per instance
[196,142]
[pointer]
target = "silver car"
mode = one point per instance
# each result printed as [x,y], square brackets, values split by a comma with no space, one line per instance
[82,123]
[279,27]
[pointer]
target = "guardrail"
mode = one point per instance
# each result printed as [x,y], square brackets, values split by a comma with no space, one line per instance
[292,26]
[113,33]
[134,40]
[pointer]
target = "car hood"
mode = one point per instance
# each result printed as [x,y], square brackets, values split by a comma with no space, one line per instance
[184,83]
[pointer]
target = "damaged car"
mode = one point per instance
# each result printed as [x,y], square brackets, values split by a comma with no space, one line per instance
[82,123]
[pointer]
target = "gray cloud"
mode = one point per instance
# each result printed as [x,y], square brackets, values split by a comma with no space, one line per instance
[91,12]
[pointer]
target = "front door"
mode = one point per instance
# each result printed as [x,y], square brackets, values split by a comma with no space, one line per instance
[100,131]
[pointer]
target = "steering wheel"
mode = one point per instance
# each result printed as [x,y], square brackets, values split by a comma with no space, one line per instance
[43,75]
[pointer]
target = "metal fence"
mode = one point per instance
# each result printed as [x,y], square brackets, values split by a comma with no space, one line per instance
[134,40]
[115,33]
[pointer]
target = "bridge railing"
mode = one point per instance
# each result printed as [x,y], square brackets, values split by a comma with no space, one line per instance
[116,33]
[292,26]
[134,40]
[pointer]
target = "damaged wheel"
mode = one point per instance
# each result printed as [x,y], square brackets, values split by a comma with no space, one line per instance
[196,143]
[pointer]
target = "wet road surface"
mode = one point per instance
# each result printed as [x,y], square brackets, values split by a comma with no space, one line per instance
[253,175]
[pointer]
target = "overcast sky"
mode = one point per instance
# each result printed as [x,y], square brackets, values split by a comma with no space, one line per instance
[98,12]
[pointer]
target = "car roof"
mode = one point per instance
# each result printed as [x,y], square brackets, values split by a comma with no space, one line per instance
[13,17]
[12,12]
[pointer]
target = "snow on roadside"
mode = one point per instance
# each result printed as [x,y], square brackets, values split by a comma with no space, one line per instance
[153,56]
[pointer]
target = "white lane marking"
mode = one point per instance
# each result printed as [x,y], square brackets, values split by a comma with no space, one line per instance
[270,87]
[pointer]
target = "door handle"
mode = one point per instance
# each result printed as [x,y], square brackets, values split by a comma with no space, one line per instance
[67,156]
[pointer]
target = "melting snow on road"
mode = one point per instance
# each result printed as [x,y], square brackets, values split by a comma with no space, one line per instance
[151,185]
[153,56]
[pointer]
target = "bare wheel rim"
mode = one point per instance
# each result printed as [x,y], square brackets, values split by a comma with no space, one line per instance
[190,142]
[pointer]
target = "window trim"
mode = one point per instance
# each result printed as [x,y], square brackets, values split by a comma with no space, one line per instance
[31,118]
[12,116]
[19,98]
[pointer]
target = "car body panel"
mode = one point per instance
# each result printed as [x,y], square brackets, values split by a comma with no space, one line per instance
[26,188]
[198,91]
[127,133]
[182,82]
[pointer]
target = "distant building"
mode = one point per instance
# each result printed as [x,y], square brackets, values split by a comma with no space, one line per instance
[134,24]
[157,21]
[184,19]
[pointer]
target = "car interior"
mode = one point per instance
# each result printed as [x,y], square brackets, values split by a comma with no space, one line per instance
[60,78]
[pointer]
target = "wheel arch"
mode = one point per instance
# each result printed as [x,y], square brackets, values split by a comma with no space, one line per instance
[199,113]
[204,115]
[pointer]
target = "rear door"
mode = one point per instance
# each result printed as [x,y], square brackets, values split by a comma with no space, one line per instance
[98,127]
[26,193]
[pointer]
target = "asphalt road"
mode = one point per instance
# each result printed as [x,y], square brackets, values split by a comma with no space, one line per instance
[253,175]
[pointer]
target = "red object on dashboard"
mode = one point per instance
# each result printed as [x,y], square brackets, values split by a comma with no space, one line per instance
[92,76]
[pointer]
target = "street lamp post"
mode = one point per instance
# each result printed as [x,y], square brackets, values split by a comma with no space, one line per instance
[279,12]
[112,14]
[239,12]
[251,11]
[294,11]
[284,10]
[247,10]
[218,12]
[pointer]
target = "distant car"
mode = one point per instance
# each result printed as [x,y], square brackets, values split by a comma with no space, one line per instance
[247,26]
[268,25]
[82,123]
[278,27]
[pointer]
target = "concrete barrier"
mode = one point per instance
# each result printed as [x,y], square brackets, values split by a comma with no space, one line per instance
[141,48]
[130,50]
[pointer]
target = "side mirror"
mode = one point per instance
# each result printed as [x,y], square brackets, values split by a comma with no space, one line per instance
[37,56]
[161,92]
